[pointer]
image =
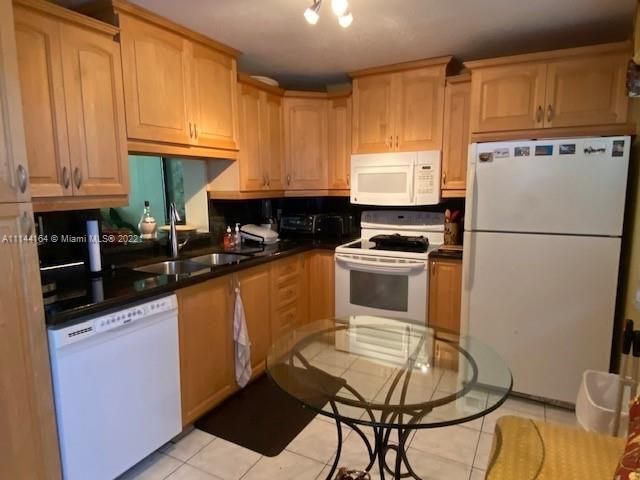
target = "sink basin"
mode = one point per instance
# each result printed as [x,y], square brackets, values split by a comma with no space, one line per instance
[214,259]
[174,267]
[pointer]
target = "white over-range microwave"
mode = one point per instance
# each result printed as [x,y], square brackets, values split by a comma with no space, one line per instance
[396,178]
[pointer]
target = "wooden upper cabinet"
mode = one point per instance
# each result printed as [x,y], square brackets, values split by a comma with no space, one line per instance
[252,175]
[564,88]
[586,91]
[445,293]
[14,173]
[305,127]
[206,346]
[508,97]
[214,98]
[400,107]
[180,87]
[29,437]
[43,102]
[339,166]
[272,140]
[156,83]
[419,103]
[373,109]
[95,112]
[455,143]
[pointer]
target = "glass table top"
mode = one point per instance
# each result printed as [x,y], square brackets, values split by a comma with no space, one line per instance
[381,371]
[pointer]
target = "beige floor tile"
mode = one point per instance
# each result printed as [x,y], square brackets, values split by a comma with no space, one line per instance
[560,415]
[189,445]
[286,466]
[155,467]
[451,381]
[453,443]
[483,452]
[224,459]
[354,454]
[465,406]
[317,441]
[187,472]
[325,471]
[335,358]
[477,474]
[373,367]
[432,467]
[529,407]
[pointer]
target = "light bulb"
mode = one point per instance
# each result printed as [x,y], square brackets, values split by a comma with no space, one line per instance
[345,20]
[339,7]
[311,13]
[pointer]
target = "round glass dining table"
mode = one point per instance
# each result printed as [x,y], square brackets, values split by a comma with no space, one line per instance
[391,376]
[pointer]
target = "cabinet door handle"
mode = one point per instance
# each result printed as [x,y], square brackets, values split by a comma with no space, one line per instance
[190,130]
[77,175]
[27,224]
[288,179]
[195,130]
[348,179]
[66,179]
[23,178]
[433,268]
[397,142]
[539,113]
[549,113]
[268,181]
[391,142]
[444,178]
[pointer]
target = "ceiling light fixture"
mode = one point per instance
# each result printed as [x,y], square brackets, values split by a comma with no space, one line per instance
[311,13]
[339,7]
[345,20]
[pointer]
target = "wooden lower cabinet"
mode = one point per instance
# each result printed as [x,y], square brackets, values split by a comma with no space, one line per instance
[445,291]
[206,346]
[288,294]
[29,445]
[256,300]
[321,277]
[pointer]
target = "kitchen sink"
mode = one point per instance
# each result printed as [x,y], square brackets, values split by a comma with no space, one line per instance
[213,259]
[174,267]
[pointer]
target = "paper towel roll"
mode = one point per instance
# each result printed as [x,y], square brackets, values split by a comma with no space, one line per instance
[93,243]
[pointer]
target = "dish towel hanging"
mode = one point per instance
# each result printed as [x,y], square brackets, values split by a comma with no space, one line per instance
[242,342]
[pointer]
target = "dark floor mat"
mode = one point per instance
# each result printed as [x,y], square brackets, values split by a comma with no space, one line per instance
[263,418]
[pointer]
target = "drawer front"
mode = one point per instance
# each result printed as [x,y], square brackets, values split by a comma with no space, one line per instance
[288,293]
[287,318]
[287,269]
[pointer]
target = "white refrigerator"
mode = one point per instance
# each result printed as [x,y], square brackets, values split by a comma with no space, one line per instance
[542,239]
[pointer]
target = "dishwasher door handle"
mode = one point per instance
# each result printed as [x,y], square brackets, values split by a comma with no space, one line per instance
[379,267]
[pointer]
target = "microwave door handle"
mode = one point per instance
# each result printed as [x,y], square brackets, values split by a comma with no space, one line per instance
[376,267]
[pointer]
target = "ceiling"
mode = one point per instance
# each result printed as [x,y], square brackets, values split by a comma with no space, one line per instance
[276,40]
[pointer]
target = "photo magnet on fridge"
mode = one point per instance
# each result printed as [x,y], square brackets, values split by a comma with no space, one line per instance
[567,148]
[522,151]
[595,148]
[501,153]
[485,156]
[618,148]
[544,150]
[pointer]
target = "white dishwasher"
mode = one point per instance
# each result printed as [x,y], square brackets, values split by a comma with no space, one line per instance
[116,381]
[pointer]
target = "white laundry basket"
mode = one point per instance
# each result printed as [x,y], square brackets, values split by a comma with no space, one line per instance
[596,403]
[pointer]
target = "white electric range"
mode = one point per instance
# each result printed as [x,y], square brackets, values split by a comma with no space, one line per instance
[385,273]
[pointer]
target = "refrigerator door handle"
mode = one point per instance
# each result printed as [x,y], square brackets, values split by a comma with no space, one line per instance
[472,183]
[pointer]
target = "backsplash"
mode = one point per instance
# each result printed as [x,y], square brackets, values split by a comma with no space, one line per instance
[230,212]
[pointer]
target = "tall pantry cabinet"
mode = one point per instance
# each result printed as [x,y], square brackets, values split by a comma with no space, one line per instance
[29,443]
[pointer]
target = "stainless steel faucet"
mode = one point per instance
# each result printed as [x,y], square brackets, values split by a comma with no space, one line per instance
[173,235]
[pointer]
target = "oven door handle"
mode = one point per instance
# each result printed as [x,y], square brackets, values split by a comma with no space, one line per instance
[377,267]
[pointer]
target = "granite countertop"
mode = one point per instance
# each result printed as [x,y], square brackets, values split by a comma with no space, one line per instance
[80,295]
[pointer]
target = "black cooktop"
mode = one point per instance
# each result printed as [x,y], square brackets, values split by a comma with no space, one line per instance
[394,243]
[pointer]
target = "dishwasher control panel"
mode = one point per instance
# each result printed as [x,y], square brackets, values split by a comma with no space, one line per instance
[103,323]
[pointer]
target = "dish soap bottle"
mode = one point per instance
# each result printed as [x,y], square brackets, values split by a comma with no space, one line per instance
[227,242]
[237,239]
[147,225]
